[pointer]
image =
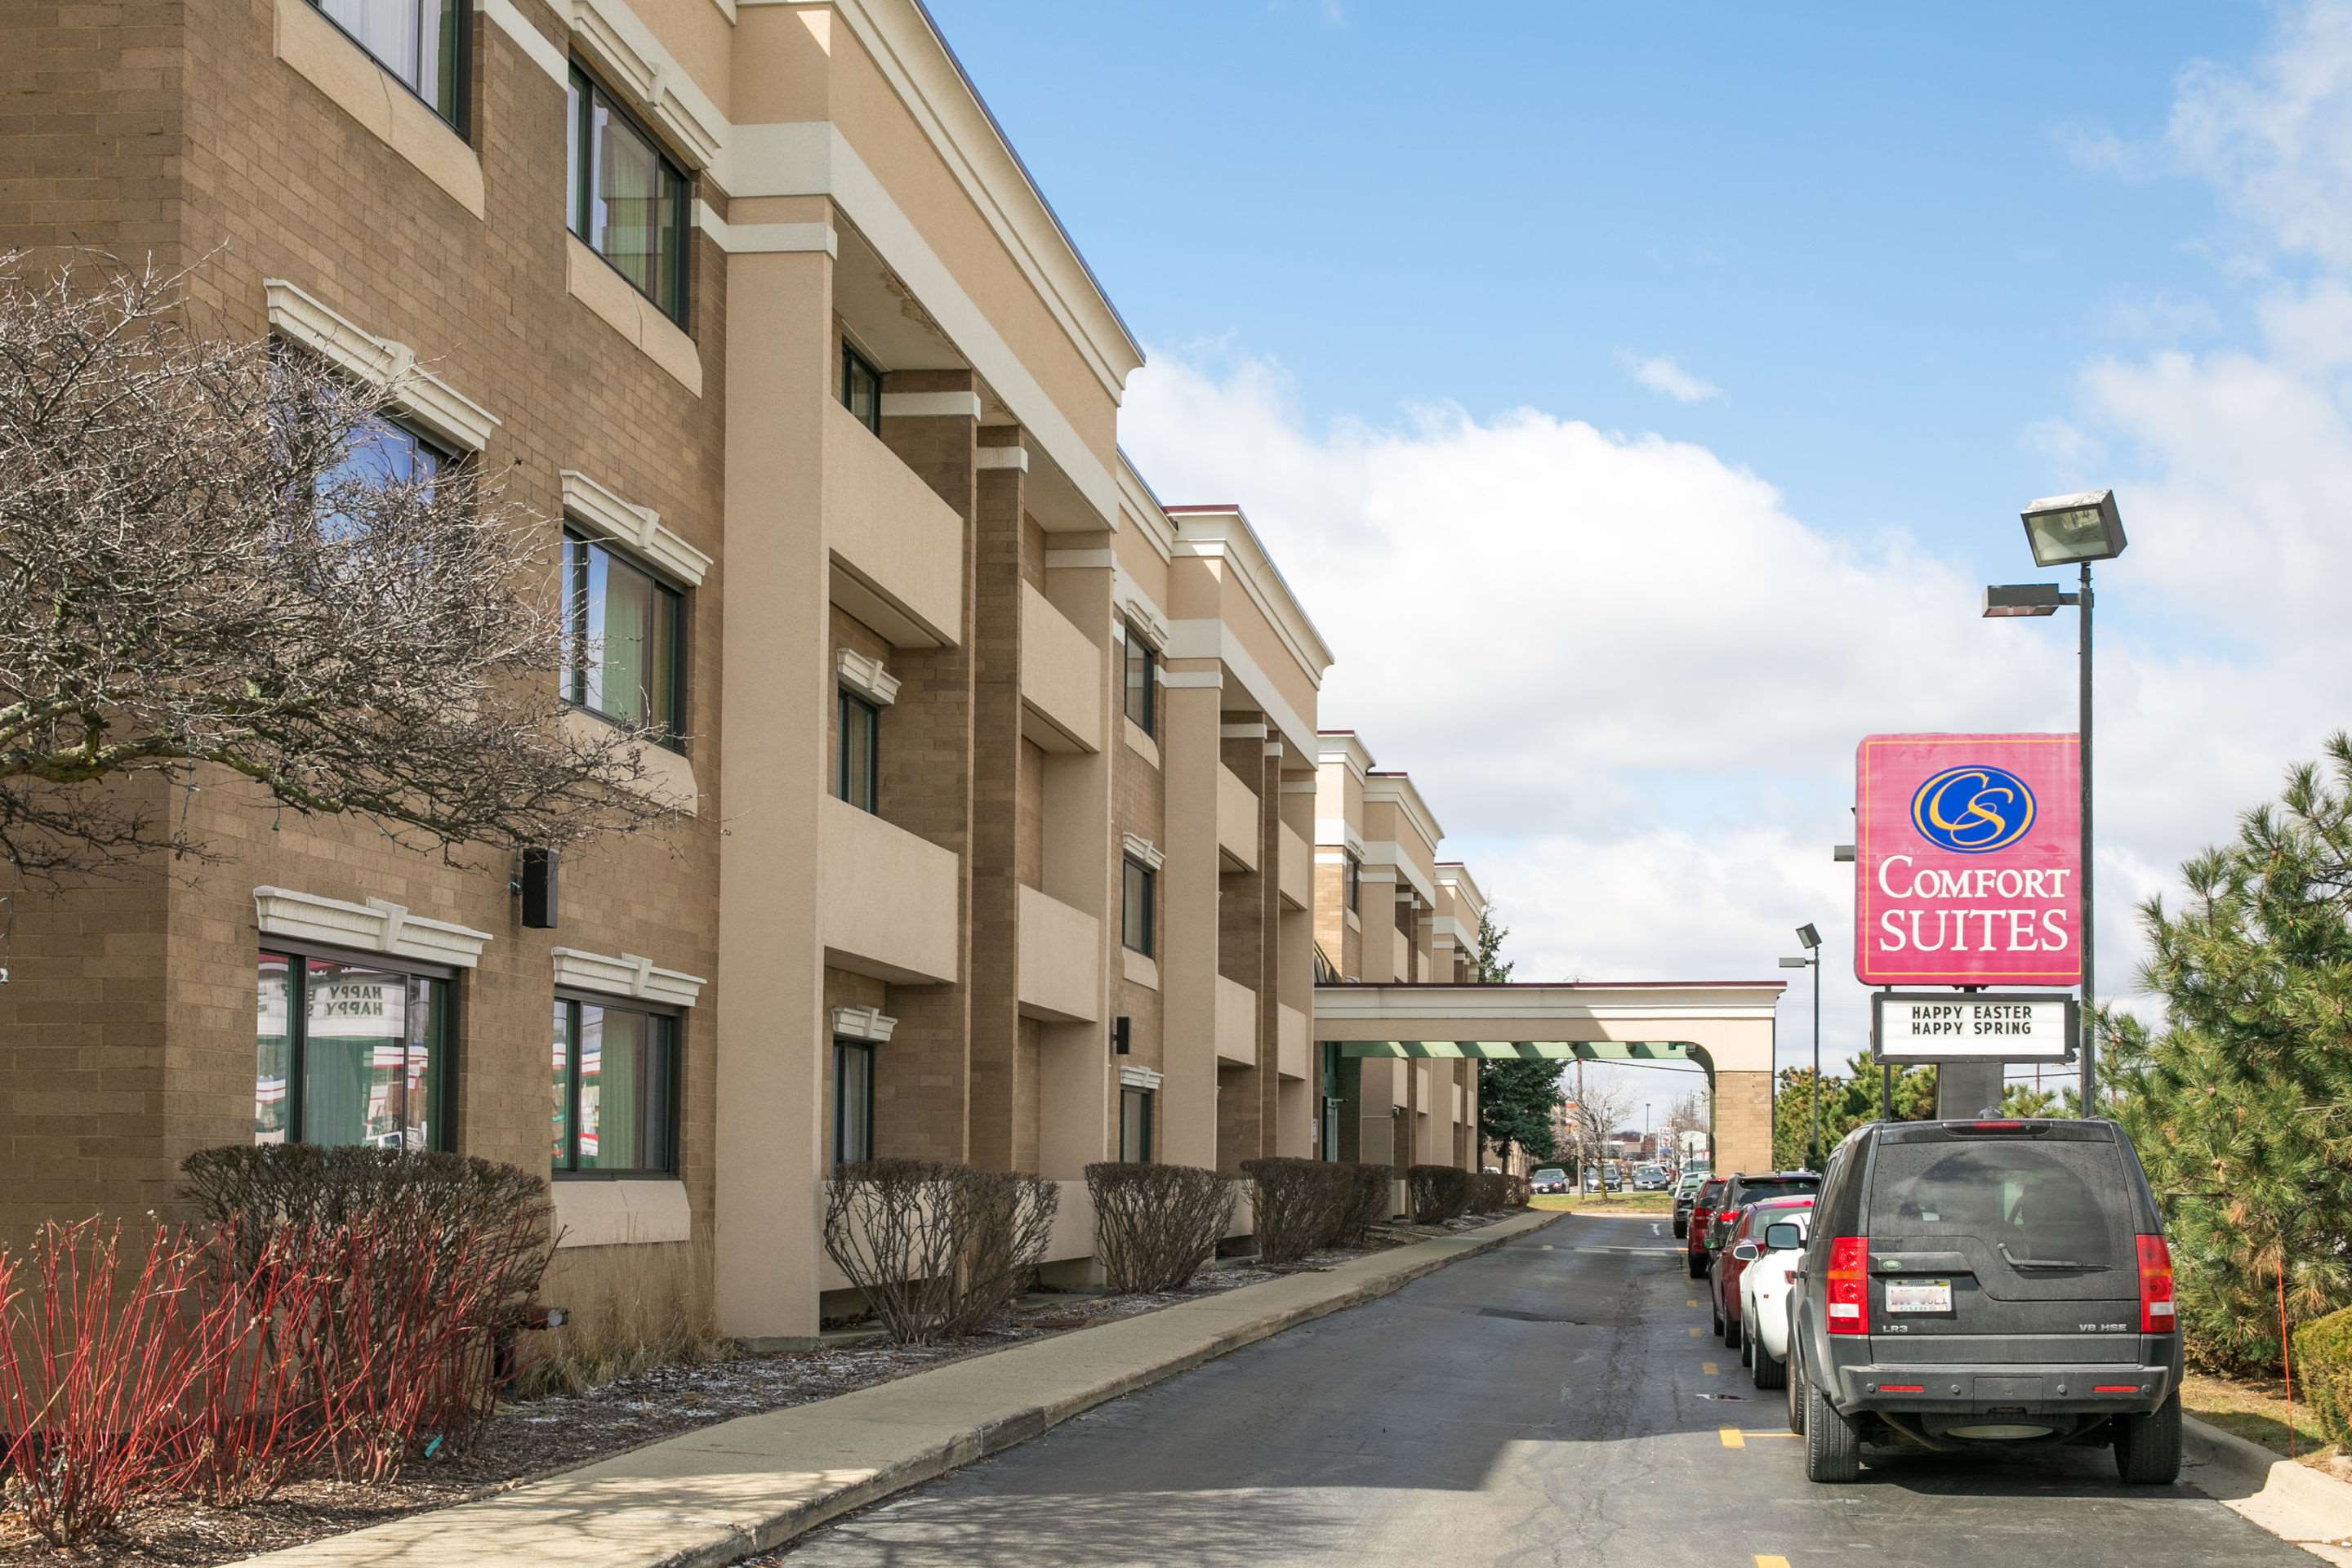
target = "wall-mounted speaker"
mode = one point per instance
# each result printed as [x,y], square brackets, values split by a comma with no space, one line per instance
[537,886]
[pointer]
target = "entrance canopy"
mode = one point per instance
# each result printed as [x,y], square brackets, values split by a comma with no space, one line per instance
[1724,1026]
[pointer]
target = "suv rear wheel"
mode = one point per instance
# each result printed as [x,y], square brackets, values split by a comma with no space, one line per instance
[2147,1447]
[1833,1447]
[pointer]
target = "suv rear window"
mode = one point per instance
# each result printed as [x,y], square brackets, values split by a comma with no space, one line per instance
[2051,1201]
[1756,1192]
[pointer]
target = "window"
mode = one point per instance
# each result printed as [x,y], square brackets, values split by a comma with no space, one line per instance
[378,454]
[421,42]
[623,639]
[615,1090]
[349,1051]
[626,201]
[853,1101]
[859,748]
[1135,907]
[1143,690]
[1355,884]
[861,388]
[1135,1124]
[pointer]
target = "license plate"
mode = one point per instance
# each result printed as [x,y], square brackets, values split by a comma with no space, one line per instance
[1919,1295]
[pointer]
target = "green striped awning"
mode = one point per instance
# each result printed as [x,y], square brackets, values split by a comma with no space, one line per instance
[1525,1050]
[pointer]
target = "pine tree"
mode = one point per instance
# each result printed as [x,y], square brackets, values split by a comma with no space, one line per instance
[1515,1097]
[2241,1104]
[1846,1103]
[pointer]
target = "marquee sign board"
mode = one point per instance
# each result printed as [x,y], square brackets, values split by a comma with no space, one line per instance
[1968,860]
[1984,1025]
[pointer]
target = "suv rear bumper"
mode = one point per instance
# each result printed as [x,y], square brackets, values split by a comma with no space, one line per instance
[2041,1389]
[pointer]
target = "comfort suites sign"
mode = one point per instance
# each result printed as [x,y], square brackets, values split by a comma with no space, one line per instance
[1966,856]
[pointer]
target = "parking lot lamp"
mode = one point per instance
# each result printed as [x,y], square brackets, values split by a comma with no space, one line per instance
[1811,940]
[2071,530]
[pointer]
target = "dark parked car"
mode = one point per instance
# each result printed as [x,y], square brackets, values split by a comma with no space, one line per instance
[1737,1192]
[1549,1179]
[1702,1212]
[1982,1285]
[1686,1190]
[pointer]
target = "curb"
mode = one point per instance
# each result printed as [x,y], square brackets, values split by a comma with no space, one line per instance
[2294,1502]
[720,1494]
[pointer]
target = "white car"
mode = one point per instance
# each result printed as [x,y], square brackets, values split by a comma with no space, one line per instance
[1764,1287]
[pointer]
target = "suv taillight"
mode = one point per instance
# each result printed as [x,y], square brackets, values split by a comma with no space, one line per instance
[1849,1286]
[2156,1315]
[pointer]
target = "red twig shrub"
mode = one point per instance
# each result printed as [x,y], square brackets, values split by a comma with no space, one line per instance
[1156,1225]
[94,1371]
[252,1420]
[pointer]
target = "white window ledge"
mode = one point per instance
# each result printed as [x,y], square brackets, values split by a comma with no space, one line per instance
[1139,1078]
[377,926]
[618,1213]
[626,976]
[866,678]
[870,1023]
[1142,852]
[640,528]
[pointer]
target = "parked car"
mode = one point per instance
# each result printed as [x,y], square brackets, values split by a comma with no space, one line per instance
[1745,1227]
[1743,1190]
[1548,1179]
[1764,1287]
[1701,1215]
[1650,1179]
[1686,1187]
[1987,1284]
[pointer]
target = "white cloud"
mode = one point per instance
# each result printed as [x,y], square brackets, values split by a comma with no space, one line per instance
[1630,682]
[1660,373]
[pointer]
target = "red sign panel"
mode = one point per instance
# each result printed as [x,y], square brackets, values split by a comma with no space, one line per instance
[1968,860]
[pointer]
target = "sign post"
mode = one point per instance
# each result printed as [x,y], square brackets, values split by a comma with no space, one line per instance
[1968,873]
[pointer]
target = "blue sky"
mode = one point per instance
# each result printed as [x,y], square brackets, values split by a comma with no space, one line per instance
[1863,224]
[1639,396]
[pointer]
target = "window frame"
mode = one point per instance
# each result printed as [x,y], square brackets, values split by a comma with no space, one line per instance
[843,1046]
[580,182]
[1355,881]
[1140,645]
[440,1132]
[575,631]
[458,116]
[851,360]
[1144,1098]
[1151,900]
[673,1021]
[844,701]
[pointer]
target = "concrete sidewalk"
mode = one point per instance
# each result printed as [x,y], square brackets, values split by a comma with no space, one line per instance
[2294,1502]
[742,1486]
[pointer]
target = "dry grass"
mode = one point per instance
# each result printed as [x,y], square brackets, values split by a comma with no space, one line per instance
[637,1328]
[1605,1203]
[2258,1412]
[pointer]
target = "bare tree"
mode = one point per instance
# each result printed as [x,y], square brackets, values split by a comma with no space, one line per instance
[1687,1115]
[200,565]
[1596,1113]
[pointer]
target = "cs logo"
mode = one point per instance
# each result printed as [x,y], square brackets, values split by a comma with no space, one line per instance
[1973,810]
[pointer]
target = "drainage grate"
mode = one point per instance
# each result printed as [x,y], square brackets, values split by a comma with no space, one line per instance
[1529,1317]
[1731,1398]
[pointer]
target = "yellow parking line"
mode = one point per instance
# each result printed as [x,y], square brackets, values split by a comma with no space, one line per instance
[1732,1436]
[1770,1560]
[1696,1332]
[1709,1368]
[1692,1302]
[1754,1433]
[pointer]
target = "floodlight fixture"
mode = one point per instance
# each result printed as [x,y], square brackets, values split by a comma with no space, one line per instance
[2066,530]
[2009,599]
[1809,936]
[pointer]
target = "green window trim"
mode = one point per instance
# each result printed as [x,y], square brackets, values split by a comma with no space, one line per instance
[1135,1108]
[854,1064]
[1140,696]
[325,1020]
[439,76]
[638,1110]
[602,134]
[861,388]
[857,752]
[1138,893]
[590,671]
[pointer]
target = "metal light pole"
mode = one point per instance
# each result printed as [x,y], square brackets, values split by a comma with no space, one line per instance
[2072,531]
[1812,961]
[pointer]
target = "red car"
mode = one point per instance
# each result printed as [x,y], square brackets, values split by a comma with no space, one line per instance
[1748,1226]
[1703,1211]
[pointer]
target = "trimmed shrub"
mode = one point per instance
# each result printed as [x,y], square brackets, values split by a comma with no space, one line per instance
[1439,1193]
[1299,1206]
[1490,1192]
[1155,1225]
[936,1250]
[2323,1370]
[1523,1193]
[1365,1203]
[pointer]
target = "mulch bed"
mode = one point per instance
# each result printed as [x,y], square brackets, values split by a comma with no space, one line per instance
[528,1440]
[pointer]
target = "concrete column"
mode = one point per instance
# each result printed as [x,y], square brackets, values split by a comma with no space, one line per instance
[1076,1071]
[1189,891]
[771,779]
